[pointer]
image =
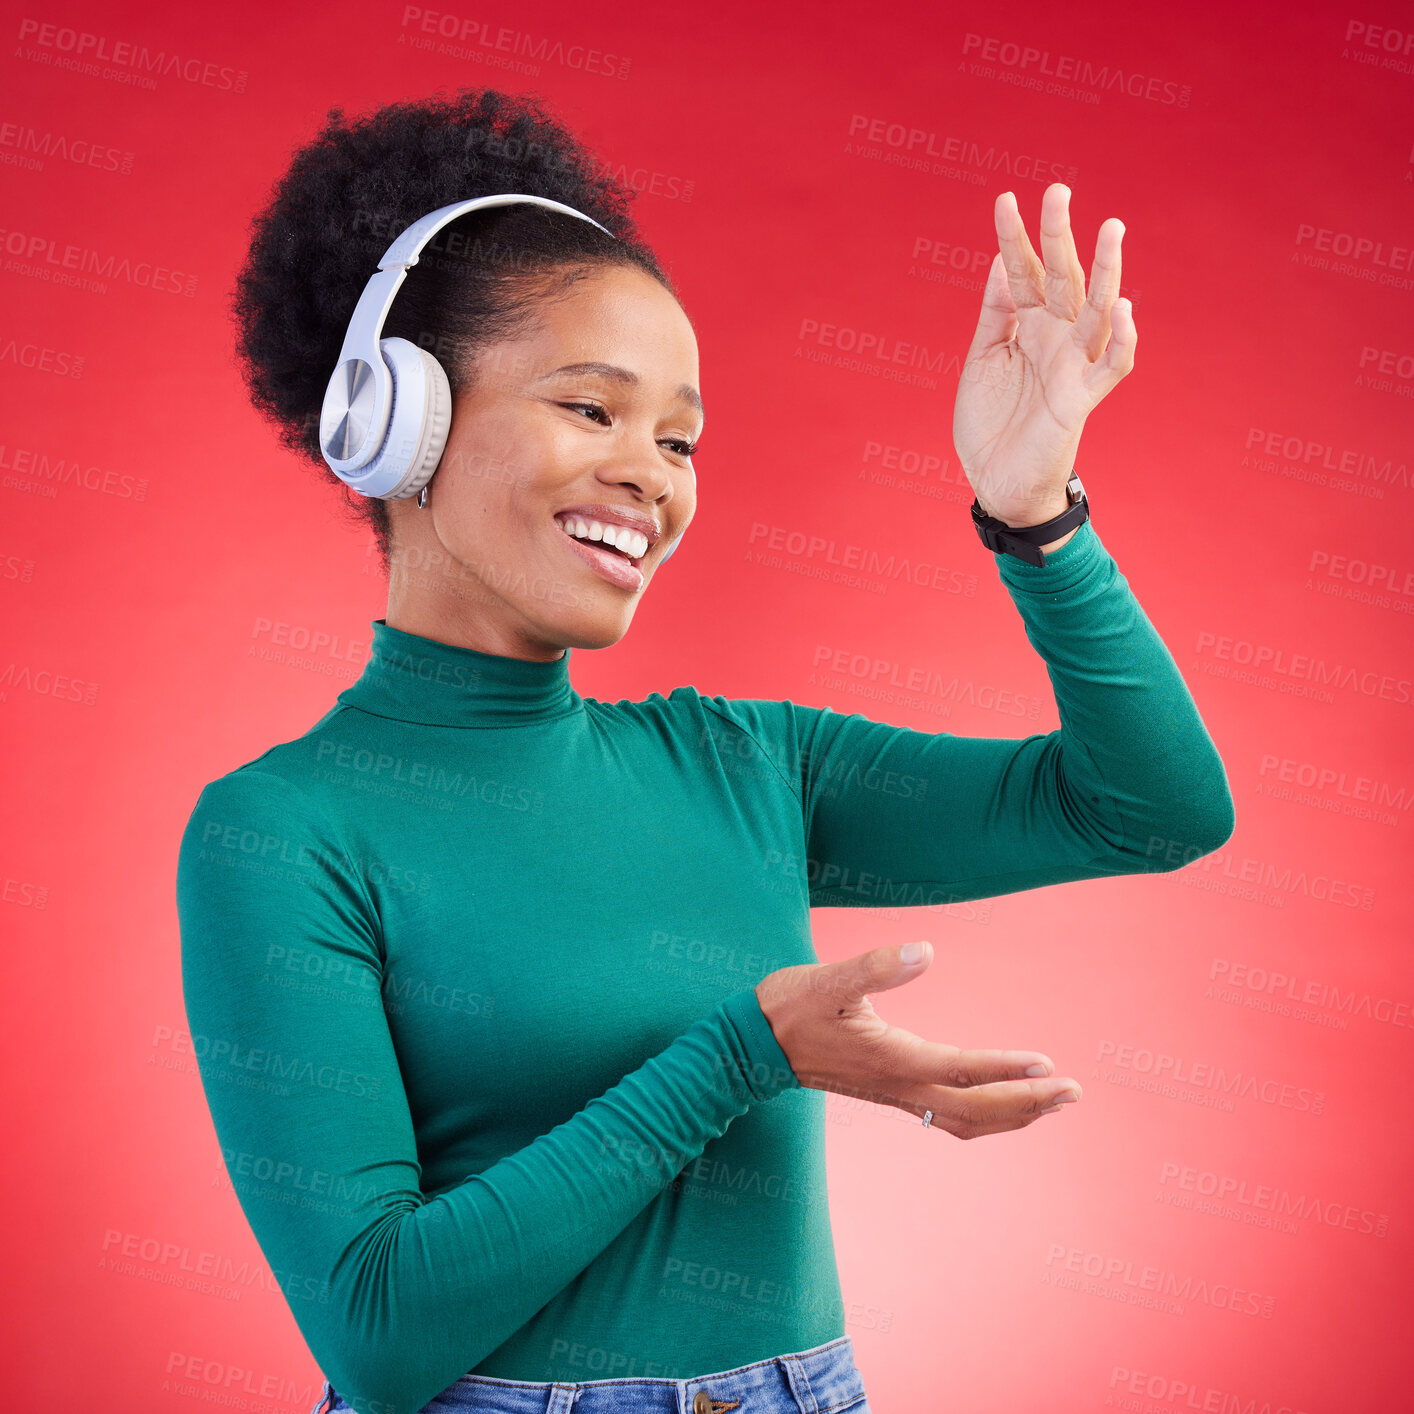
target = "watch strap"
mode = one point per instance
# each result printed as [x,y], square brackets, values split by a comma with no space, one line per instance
[1024,542]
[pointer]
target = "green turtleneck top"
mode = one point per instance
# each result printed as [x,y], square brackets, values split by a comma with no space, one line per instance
[469,970]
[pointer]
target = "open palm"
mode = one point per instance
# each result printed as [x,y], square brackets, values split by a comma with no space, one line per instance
[1046,351]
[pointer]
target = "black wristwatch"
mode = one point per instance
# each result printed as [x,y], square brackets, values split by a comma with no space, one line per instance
[1025,541]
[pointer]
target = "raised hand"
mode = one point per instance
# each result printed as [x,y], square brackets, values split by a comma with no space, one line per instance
[822,1018]
[1046,351]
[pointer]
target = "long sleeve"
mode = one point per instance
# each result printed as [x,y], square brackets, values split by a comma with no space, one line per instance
[1130,782]
[397,1295]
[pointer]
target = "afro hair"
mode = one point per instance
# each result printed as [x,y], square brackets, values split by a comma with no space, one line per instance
[359,183]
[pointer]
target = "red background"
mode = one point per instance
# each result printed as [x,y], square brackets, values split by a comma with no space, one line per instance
[1263,167]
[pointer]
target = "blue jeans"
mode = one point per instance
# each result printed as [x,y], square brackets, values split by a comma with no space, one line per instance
[822,1380]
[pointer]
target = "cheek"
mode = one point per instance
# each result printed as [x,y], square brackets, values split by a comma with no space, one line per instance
[472,506]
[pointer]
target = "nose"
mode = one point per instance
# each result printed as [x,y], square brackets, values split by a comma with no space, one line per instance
[644,471]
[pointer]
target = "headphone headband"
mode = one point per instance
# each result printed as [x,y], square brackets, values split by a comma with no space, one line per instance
[360,401]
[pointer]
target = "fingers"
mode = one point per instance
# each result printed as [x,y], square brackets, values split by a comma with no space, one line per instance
[1064,274]
[1023,266]
[1093,323]
[934,1063]
[1118,359]
[991,1109]
[971,1068]
[997,323]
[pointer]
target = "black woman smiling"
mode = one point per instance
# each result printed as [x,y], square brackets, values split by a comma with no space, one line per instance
[500,993]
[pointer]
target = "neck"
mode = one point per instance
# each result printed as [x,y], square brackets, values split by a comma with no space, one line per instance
[437,622]
[413,677]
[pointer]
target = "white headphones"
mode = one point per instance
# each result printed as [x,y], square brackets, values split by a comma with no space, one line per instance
[388,406]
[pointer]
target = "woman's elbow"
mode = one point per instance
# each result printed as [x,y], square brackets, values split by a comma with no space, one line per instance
[1204,824]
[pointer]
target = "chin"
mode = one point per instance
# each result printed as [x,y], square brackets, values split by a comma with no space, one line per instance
[600,633]
[590,629]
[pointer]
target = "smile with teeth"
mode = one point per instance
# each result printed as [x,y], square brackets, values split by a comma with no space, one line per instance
[632,544]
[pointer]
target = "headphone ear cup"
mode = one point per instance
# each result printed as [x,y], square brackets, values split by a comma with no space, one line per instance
[437,422]
[418,421]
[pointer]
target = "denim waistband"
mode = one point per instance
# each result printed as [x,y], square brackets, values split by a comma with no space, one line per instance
[821,1380]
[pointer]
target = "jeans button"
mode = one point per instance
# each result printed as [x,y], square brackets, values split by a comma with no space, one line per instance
[702,1403]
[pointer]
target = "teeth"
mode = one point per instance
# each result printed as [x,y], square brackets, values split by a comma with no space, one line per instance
[633,543]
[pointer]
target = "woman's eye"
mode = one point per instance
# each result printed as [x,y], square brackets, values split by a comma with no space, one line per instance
[682,448]
[592,407]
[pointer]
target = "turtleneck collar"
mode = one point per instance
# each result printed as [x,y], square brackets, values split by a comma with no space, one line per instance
[416,679]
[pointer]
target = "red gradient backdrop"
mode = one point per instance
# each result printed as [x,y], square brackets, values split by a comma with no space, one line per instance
[1224,1221]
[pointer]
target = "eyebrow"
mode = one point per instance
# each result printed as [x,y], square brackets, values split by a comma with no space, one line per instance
[628,378]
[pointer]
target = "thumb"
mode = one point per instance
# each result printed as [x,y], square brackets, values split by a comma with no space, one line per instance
[882,968]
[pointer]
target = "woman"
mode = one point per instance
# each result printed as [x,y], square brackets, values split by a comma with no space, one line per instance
[505,999]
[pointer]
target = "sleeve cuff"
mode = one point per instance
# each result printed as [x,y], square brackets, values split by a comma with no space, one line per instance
[769,1071]
[1073,562]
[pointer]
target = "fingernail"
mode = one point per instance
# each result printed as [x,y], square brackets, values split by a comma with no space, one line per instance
[1066,1097]
[1037,1070]
[911,952]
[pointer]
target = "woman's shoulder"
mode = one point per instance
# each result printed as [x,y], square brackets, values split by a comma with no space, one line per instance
[689,708]
[284,777]
[717,726]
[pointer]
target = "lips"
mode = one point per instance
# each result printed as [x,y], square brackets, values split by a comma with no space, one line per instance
[617,515]
[607,562]
[607,548]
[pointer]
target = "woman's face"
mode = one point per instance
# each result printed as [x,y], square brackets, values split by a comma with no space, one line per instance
[536,442]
